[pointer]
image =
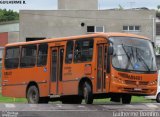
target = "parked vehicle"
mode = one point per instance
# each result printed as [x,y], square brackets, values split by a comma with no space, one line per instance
[157,96]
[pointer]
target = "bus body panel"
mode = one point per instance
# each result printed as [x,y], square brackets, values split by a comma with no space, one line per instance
[23,77]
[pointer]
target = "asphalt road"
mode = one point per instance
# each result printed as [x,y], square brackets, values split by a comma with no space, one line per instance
[68,110]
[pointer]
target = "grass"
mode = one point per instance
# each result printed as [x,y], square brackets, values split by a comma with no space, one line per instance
[12,100]
[135,99]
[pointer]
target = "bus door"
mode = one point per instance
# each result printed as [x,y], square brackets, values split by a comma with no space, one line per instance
[57,54]
[101,67]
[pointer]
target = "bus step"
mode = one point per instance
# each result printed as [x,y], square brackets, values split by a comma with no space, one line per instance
[54,96]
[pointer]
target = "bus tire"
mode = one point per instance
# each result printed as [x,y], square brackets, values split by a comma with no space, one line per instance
[158,98]
[126,99]
[87,93]
[33,95]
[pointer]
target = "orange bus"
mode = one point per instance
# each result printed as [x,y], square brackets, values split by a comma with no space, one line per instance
[69,69]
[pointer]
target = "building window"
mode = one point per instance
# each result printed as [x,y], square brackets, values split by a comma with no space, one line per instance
[99,29]
[83,50]
[35,38]
[157,29]
[137,28]
[12,57]
[28,56]
[125,28]
[92,29]
[42,54]
[131,28]
[69,52]
[1,54]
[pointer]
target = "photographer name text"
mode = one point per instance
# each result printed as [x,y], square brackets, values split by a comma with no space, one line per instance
[12,2]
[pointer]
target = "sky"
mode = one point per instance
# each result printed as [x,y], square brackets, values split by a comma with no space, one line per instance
[103,4]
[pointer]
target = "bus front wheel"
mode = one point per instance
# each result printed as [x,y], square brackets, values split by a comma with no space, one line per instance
[33,95]
[87,93]
[126,99]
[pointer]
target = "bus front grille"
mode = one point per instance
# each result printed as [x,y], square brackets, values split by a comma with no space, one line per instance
[129,82]
[131,90]
[143,83]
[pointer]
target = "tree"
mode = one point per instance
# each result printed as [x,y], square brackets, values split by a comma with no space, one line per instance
[120,7]
[8,15]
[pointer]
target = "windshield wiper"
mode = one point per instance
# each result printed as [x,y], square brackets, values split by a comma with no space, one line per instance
[129,58]
[142,59]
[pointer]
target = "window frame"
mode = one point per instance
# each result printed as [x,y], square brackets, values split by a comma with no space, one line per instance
[72,52]
[37,55]
[134,28]
[95,29]
[83,39]
[12,58]
[21,56]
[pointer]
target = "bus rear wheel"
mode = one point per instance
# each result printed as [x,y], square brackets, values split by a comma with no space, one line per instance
[87,93]
[126,99]
[158,98]
[33,95]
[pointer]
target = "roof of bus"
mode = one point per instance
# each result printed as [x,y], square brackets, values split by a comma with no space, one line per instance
[106,35]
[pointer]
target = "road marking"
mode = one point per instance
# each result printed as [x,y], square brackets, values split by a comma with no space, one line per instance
[59,105]
[81,106]
[9,105]
[32,105]
[151,105]
[129,106]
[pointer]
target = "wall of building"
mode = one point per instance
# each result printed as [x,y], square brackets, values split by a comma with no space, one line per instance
[60,23]
[78,4]
[3,39]
[13,37]
[9,26]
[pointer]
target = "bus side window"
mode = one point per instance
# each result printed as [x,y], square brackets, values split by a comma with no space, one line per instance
[42,54]
[28,56]
[69,52]
[12,57]
[83,50]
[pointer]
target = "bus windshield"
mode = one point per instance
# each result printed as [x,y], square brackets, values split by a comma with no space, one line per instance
[133,54]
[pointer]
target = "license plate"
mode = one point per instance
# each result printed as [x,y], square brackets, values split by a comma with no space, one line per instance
[137,89]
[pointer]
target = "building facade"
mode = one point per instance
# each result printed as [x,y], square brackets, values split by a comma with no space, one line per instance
[9,33]
[36,24]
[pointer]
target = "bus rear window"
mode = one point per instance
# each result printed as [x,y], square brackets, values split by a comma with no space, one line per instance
[12,57]
[28,56]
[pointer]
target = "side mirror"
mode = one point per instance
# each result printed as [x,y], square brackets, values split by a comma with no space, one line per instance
[153,44]
[110,50]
